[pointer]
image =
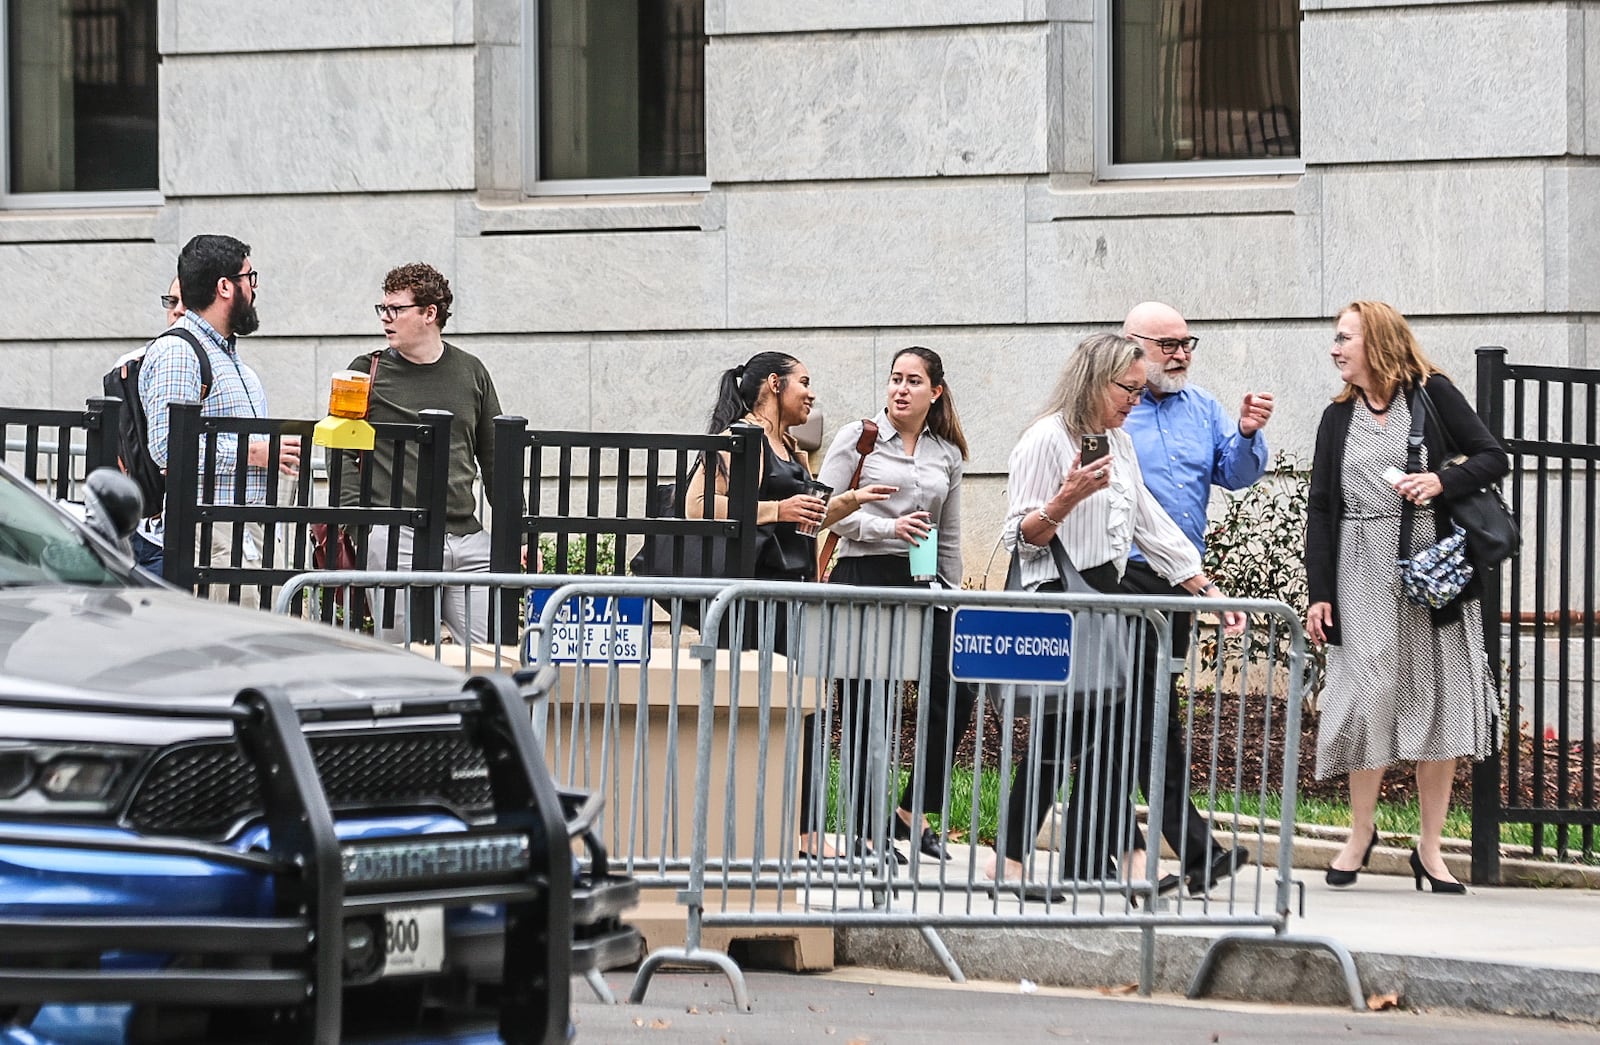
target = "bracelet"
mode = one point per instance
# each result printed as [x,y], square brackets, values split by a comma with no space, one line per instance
[1207,586]
[1053,522]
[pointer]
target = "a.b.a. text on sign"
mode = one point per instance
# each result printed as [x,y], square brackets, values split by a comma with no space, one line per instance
[594,629]
[1021,646]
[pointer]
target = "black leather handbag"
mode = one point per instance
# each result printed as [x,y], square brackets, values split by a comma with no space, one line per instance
[668,555]
[1492,534]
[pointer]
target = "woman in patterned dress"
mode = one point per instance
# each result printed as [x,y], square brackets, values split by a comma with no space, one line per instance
[1404,683]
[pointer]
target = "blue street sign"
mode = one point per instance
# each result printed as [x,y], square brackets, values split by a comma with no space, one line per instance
[599,629]
[1021,646]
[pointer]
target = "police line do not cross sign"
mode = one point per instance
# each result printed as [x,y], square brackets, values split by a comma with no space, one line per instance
[1006,646]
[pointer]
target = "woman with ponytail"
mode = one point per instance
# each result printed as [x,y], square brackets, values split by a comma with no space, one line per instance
[773,390]
[920,454]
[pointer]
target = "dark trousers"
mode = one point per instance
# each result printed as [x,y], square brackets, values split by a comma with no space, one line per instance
[1186,831]
[949,713]
[1099,821]
[147,553]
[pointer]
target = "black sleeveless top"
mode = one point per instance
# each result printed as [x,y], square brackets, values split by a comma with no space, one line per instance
[782,552]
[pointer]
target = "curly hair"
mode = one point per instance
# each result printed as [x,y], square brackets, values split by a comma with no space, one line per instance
[427,285]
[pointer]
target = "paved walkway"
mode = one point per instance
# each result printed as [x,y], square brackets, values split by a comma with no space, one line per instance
[1515,950]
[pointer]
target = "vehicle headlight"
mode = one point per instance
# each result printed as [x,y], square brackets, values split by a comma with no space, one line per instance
[50,778]
[77,778]
[16,772]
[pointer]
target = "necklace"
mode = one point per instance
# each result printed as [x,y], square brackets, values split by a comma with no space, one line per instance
[767,425]
[1376,411]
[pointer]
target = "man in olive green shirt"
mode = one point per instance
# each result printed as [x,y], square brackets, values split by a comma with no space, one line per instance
[421,371]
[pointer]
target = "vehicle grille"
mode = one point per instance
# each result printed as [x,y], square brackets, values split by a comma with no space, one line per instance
[203,790]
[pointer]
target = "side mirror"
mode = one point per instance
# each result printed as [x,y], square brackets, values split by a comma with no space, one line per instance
[113,505]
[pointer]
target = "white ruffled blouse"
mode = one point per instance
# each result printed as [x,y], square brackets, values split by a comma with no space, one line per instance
[1103,527]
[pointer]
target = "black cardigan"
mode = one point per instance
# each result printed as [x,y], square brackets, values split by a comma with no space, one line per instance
[1486,463]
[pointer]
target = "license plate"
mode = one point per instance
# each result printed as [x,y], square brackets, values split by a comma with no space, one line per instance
[413,940]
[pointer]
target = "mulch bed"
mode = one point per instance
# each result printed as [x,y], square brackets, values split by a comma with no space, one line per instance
[1247,750]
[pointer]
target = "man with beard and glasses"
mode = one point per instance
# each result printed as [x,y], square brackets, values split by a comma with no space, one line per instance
[217,283]
[1186,444]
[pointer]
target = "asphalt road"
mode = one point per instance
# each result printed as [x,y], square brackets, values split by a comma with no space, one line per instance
[874,1007]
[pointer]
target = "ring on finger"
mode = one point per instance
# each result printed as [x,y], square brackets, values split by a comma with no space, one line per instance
[1099,473]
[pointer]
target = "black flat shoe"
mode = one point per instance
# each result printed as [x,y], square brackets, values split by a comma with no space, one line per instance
[1340,879]
[928,843]
[1039,892]
[1438,885]
[863,851]
[1222,865]
[931,846]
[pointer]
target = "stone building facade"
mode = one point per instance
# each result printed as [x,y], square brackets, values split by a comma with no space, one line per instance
[874,173]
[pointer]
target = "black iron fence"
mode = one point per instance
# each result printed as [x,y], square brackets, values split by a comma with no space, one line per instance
[596,495]
[55,449]
[209,488]
[1540,620]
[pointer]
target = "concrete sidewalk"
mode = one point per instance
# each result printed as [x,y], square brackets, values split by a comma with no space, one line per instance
[1511,950]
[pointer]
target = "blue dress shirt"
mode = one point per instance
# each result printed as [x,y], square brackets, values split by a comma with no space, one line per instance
[1186,444]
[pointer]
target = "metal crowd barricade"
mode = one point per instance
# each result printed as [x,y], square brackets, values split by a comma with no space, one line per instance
[825,691]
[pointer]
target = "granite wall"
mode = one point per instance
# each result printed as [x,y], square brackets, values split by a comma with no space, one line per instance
[880,174]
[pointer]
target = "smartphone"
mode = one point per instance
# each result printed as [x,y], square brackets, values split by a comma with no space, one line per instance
[1094,448]
[1392,475]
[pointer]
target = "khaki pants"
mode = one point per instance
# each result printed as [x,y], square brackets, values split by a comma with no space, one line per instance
[465,611]
[221,554]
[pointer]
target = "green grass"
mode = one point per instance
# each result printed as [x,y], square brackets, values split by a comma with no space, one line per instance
[1392,817]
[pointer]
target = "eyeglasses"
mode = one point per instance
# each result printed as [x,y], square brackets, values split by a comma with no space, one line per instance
[1342,339]
[169,301]
[1133,391]
[250,277]
[1170,346]
[388,312]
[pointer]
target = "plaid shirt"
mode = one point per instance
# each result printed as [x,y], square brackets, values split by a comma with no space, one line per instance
[171,372]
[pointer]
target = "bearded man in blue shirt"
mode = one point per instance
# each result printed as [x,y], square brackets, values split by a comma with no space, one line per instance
[1186,444]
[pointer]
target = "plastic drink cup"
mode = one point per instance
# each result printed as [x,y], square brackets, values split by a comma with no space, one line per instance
[812,488]
[925,556]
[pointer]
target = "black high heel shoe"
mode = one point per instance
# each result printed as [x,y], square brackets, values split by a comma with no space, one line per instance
[1439,885]
[1339,879]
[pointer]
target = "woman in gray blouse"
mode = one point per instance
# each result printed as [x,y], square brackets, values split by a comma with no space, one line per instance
[919,454]
[1099,511]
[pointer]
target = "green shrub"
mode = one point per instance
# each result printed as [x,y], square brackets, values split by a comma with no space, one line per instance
[1257,551]
[578,547]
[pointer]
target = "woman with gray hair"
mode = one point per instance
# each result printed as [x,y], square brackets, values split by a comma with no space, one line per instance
[1098,510]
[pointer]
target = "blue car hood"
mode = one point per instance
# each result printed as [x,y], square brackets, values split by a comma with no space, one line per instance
[117,643]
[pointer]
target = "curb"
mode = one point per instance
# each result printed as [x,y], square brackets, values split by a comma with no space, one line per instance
[1107,958]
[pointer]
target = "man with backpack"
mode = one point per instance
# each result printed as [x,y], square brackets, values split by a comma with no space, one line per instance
[122,382]
[217,283]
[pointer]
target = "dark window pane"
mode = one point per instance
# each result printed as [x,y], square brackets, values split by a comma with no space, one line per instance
[621,88]
[1205,80]
[82,88]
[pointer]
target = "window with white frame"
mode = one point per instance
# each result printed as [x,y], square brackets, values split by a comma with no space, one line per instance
[618,95]
[79,101]
[1197,87]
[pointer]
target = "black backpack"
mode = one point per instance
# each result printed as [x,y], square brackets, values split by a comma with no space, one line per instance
[133,428]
